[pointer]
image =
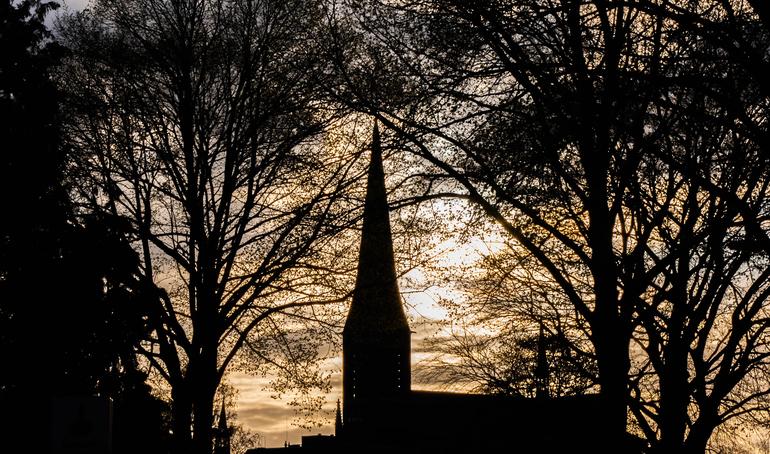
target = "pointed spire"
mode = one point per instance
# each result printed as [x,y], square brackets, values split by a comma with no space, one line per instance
[222,441]
[338,421]
[223,416]
[376,303]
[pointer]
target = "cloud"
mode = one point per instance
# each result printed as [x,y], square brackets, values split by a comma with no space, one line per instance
[268,417]
[272,418]
[75,5]
[273,422]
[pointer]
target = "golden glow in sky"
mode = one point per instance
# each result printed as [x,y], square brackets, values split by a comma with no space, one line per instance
[275,420]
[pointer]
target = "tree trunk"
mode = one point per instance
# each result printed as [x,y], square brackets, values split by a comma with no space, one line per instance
[206,382]
[206,378]
[203,422]
[181,420]
[674,398]
[613,364]
[611,336]
[698,438]
[673,379]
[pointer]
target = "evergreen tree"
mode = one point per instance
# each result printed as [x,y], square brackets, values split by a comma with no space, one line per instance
[72,308]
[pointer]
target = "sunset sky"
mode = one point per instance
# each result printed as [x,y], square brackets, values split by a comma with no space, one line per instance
[257,409]
[273,418]
[577,224]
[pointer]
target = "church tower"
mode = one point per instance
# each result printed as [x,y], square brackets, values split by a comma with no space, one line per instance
[222,433]
[376,338]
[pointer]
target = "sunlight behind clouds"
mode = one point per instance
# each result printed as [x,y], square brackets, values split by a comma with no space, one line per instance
[422,294]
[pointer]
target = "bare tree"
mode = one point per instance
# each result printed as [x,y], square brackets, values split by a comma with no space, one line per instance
[705,323]
[569,124]
[201,122]
[704,314]
[527,106]
[512,332]
[514,363]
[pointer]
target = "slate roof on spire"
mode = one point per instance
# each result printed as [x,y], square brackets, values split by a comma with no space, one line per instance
[376,306]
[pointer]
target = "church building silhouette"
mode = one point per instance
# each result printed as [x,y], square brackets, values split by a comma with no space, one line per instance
[381,413]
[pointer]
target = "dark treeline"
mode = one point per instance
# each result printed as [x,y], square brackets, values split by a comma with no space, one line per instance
[73,306]
[180,182]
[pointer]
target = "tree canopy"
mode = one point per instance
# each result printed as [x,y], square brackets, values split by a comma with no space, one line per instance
[620,148]
[184,177]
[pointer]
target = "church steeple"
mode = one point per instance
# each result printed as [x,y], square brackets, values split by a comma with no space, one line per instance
[376,338]
[222,433]
[376,300]
[338,427]
[222,417]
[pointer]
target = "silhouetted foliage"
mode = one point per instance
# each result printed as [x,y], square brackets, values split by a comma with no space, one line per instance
[513,363]
[72,308]
[31,160]
[201,123]
[620,148]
